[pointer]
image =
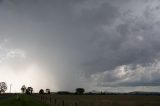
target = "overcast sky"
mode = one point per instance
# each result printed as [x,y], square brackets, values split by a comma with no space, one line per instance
[110,45]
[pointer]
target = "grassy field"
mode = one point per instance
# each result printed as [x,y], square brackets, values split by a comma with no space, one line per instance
[100,100]
[81,100]
[24,101]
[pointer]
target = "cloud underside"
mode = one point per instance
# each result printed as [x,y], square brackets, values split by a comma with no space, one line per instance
[129,75]
[125,51]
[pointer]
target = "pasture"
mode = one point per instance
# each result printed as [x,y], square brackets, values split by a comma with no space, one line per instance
[24,100]
[99,100]
[80,100]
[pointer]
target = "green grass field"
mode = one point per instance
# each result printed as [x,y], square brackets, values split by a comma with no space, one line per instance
[24,101]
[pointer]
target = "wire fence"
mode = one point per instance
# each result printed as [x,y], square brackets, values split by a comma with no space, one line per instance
[83,100]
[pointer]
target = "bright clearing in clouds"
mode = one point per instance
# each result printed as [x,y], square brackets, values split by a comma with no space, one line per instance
[16,70]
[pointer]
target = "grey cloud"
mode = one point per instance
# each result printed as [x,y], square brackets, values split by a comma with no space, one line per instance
[74,39]
[1,1]
[102,15]
[133,41]
[127,76]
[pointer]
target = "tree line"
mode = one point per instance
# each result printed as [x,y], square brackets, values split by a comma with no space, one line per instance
[29,90]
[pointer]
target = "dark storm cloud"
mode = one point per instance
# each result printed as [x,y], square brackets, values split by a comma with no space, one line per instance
[72,39]
[1,1]
[102,15]
[132,42]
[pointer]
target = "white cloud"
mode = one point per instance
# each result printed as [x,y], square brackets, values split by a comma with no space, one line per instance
[13,53]
[129,75]
[10,53]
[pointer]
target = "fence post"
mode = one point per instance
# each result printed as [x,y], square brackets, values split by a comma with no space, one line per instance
[62,102]
[40,97]
[50,100]
[76,104]
[55,102]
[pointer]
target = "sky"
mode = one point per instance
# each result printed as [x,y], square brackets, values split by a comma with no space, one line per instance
[108,45]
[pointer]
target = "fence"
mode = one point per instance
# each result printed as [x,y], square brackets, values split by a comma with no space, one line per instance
[54,101]
[98,100]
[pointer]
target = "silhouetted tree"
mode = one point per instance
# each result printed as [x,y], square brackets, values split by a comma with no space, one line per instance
[41,91]
[29,90]
[23,89]
[48,91]
[80,90]
[3,87]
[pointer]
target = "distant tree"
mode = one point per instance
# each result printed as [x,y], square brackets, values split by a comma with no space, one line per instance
[23,89]
[29,90]
[48,91]
[3,87]
[41,91]
[80,90]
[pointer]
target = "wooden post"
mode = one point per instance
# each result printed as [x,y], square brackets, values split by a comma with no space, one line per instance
[50,100]
[76,104]
[55,102]
[62,102]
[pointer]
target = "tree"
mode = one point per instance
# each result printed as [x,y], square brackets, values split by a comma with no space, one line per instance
[3,87]
[80,90]
[41,91]
[23,89]
[29,90]
[48,91]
